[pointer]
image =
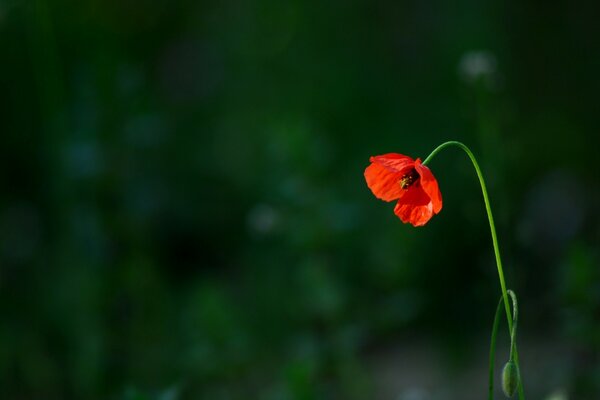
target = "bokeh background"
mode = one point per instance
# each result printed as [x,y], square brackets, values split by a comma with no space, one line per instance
[183,213]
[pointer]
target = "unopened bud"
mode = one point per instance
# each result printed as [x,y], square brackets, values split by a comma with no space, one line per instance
[510,379]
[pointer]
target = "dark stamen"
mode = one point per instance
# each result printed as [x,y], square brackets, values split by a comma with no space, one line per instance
[407,180]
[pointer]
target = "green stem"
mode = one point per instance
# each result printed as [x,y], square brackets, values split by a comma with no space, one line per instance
[513,333]
[493,339]
[493,232]
[493,351]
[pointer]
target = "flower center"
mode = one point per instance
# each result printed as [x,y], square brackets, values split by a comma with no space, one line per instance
[408,179]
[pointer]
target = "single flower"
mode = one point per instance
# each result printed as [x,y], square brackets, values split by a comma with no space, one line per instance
[395,176]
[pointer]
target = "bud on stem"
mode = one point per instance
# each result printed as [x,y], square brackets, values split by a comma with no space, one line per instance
[510,379]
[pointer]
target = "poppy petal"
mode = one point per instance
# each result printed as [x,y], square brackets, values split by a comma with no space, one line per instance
[395,162]
[415,215]
[430,185]
[414,206]
[415,195]
[383,182]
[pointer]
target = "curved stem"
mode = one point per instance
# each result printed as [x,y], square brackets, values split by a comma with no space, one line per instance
[492,230]
[513,340]
[493,351]
[513,333]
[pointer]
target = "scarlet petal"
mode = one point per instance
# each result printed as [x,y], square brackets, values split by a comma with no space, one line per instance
[414,206]
[383,182]
[430,185]
[415,215]
[395,162]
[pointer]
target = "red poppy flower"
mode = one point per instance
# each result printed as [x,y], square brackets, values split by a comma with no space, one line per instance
[395,176]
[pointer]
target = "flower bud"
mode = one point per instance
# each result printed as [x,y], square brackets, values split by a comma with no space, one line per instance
[510,379]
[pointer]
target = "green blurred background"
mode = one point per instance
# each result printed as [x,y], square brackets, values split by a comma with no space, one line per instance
[183,213]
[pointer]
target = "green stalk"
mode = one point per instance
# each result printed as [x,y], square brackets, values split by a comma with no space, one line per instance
[513,339]
[493,351]
[493,232]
